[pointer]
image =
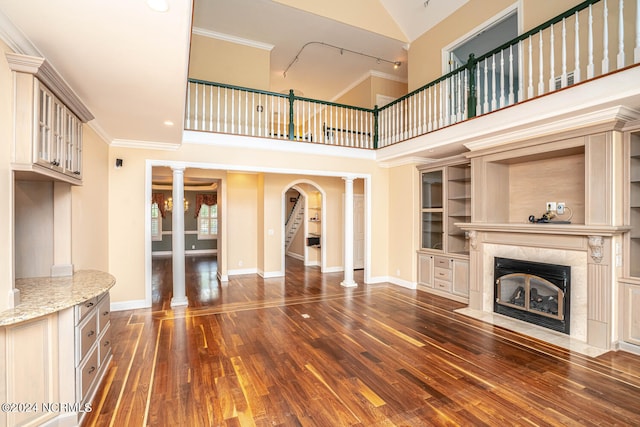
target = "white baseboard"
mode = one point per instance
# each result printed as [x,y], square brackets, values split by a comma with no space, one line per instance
[271,274]
[296,256]
[393,280]
[337,269]
[629,348]
[187,252]
[129,305]
[242,271]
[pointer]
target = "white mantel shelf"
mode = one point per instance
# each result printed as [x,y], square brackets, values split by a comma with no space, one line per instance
[545,228]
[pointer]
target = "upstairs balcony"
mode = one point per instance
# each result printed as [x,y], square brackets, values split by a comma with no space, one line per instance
[596,41]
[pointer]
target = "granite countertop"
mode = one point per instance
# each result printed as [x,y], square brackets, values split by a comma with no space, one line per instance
[40,296]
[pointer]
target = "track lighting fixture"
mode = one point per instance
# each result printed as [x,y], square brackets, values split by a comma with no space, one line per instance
[342,50]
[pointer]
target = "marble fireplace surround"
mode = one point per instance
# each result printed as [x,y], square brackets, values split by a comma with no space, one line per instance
[586,249]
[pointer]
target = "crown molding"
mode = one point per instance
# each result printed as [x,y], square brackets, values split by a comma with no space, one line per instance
[44,71]
[15,39]
[146,145]
[232,39]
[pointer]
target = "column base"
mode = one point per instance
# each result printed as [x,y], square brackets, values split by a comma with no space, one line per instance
[179,302]
[348,284]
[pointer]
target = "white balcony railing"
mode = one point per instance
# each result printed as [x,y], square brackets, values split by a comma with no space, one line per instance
[593,39]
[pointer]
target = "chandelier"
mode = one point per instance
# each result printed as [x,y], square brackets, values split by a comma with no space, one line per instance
[168,204]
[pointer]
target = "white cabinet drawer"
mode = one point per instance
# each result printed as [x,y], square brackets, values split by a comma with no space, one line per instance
[443,262]
[104,346]
[83,309]
[103,312]
[442,285]
[442,274]
[86,335]
[86,373]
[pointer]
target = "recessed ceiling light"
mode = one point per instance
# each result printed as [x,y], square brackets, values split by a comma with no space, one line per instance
[158,5]
[168,123]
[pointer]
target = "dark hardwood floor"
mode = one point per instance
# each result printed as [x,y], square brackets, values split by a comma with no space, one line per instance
[303,351]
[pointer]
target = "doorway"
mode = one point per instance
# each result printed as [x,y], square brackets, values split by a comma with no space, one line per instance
[304,204]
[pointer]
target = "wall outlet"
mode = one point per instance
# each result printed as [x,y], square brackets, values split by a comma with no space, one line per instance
[551,206]
[560,208]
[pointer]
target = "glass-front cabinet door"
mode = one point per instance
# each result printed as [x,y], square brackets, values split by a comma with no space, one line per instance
[432,225]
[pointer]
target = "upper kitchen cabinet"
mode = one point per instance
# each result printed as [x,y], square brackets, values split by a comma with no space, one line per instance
[48,119]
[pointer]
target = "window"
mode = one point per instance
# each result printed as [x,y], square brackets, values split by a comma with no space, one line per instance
[208,222]
[156,222]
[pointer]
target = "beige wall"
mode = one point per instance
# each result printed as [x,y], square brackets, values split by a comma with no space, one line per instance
[242,218]
[230,63]
[404,229]
[90,206]
[364,94]
[6,181]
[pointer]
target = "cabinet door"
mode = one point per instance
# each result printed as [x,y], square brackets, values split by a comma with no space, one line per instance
[460,277]
[43,150]
[425,270]
[631,314]
[432,220]
[73,145]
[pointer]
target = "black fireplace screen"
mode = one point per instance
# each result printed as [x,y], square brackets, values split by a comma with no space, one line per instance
[534,292]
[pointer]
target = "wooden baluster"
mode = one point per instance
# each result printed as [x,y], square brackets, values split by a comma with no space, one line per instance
[204,107]
[511,97]
[605,39]
[563,76]
[502,97]
[541,67]
[620,57]
[520,93]
[218,110]
[552,62]
[485,107]
[440,106]
[478,109]
[188,119]
[211,111]
[576,49]
[246,114]
[636,50]
[590,65]
[196,103]
[226,100]
[494,99]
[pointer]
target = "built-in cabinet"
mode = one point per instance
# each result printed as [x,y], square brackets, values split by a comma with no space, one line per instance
[57,143]
[92,344]
[48,122]
[443,258]
[630,283]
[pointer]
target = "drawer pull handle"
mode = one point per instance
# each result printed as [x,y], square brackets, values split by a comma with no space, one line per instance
[106,313]
[91,370]
[89,304]
[107,343]
[91,333]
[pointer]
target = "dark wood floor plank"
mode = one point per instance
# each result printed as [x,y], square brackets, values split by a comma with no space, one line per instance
[304,351]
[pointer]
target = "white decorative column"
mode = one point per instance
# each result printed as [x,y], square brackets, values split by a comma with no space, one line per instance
[348,233]
[177,239]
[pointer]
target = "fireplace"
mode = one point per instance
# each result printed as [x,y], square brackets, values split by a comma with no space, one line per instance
[534,292]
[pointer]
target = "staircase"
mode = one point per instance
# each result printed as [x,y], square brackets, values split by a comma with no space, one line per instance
[295,220]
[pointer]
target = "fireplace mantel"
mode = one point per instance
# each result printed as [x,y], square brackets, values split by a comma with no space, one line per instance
[546,228]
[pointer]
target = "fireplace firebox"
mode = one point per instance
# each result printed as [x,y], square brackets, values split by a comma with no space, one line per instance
[534,292]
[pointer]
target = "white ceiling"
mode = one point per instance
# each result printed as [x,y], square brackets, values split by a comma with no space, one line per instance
[129,64]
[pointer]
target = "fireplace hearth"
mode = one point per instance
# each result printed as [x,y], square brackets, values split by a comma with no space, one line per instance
[534,292]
